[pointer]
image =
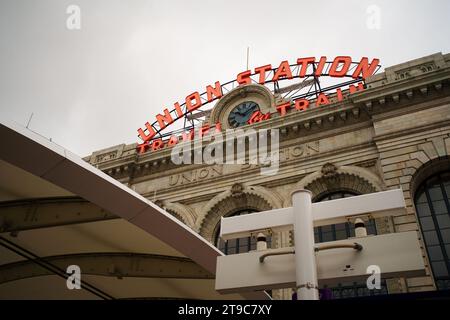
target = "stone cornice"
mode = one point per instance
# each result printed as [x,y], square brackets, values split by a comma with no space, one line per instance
[292,171]
[300,140]
[440,125]
[409,90]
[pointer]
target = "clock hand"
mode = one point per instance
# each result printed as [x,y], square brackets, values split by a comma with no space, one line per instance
[248,112]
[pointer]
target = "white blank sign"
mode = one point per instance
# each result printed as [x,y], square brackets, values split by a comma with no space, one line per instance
[378,204]
[397,254]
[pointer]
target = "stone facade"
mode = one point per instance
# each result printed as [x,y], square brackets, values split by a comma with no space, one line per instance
[393,134]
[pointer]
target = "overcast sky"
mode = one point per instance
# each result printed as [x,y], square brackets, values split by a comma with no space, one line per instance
[92,88]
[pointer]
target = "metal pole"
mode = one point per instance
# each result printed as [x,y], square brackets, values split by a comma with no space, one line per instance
[305,259]
[248,54]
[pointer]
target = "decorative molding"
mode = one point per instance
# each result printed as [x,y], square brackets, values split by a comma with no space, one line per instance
[237,190]
[426,170]
[333,178]
[180,211]
[238,197]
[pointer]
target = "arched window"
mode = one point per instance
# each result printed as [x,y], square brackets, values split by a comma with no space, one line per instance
[433,210]
[339,231]
[239,245]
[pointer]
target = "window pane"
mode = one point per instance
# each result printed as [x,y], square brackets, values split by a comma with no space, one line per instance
[341,234]
[371,223]
[439,269]
[371,230]
[435,193]
[422,198]
[439,207]
[232,243]
[443,221]
[352,229]
[243,245]
[327,236]
[236,245]
[427,223]
[339,226]
[431,238]
[447,249]
[222,246]
[335,195]
[268,239]
[443,284]
[435,221]
[447,189]
[316,238]
[341,231]
[435,253]
[445,235]
[423,209]
[231,246]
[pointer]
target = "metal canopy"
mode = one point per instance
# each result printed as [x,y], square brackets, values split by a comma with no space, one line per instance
[115,264]
[26,214]
[36,167]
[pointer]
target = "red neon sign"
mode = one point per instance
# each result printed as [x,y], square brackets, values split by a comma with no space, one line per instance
[341,66]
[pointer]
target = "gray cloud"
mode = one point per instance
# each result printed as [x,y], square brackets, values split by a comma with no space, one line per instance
[92,88]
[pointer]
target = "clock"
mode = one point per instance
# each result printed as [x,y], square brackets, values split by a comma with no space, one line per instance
[242,113]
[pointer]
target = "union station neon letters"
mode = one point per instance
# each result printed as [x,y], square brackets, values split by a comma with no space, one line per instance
[338,68]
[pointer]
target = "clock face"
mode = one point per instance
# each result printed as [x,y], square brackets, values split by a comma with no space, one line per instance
[242,113]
